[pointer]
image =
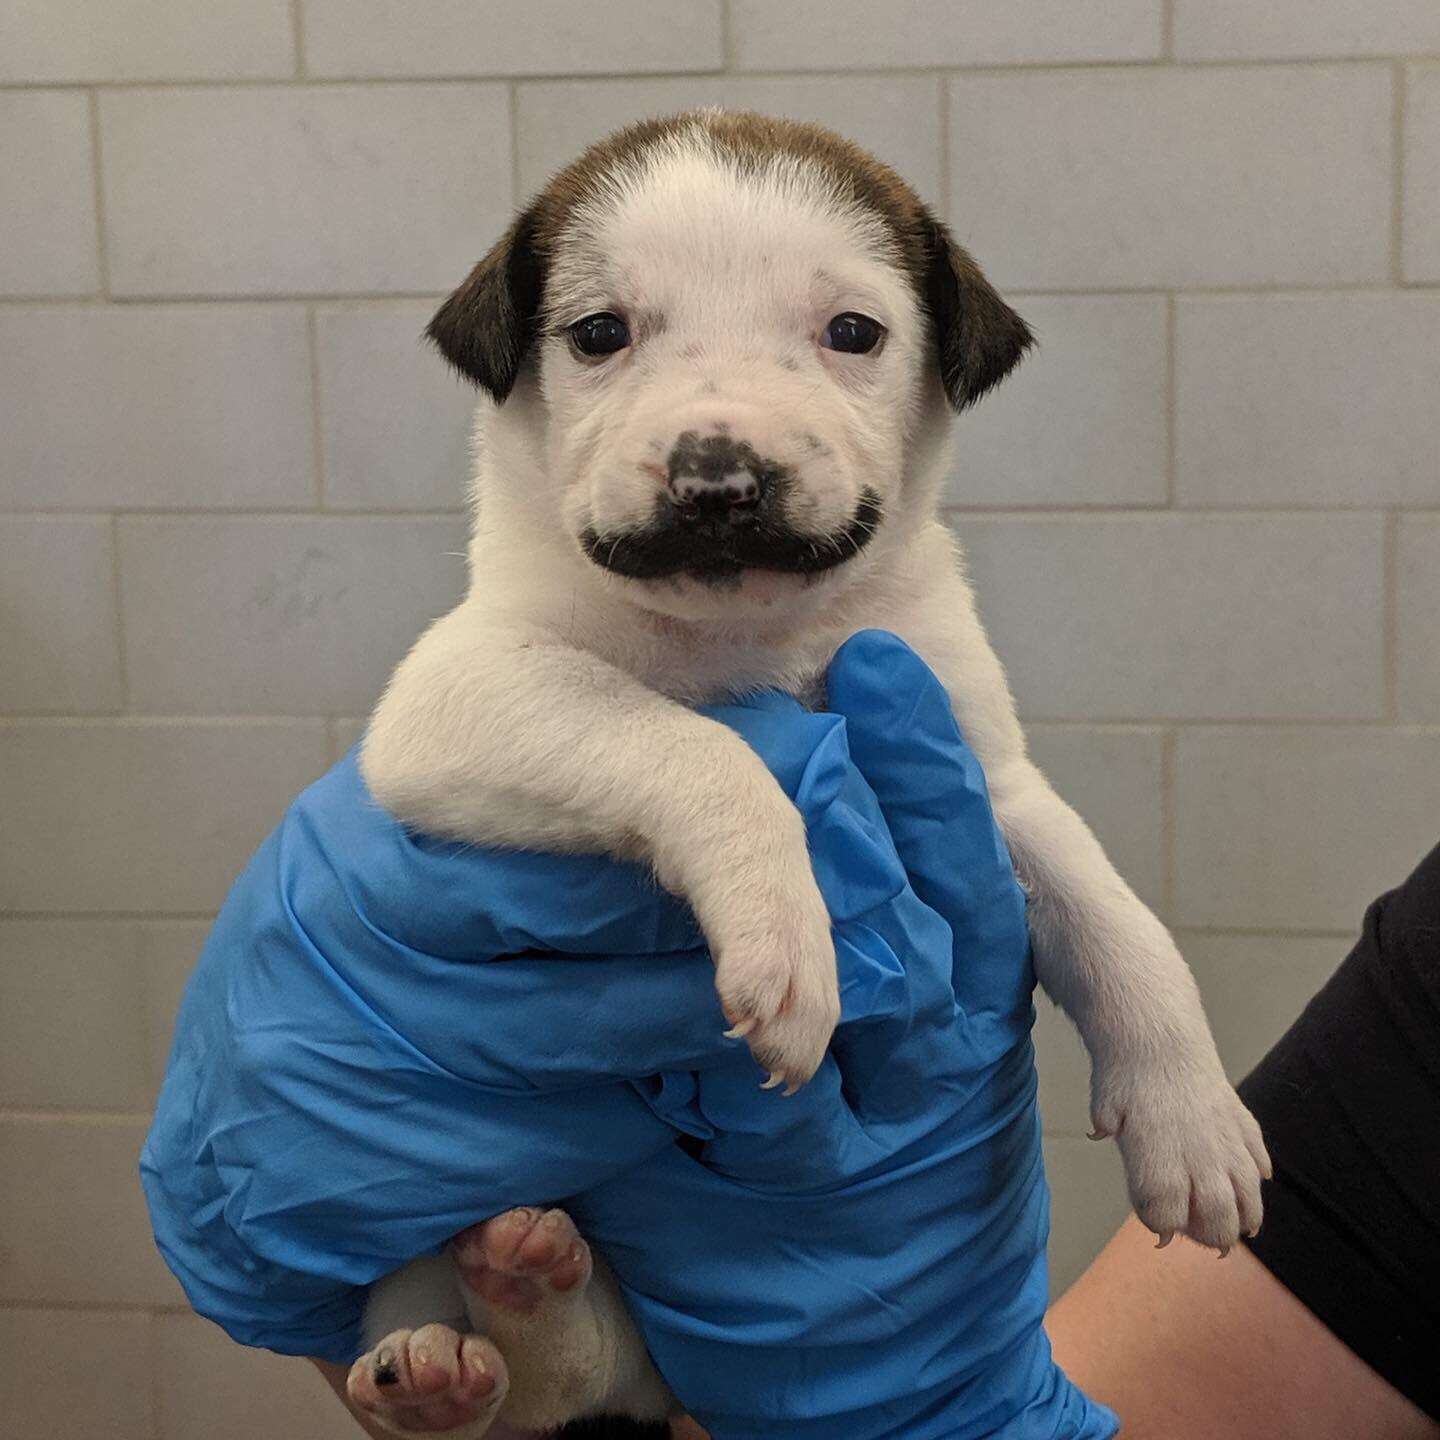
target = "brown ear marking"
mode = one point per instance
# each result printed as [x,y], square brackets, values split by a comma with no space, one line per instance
[979,338]
[486,328]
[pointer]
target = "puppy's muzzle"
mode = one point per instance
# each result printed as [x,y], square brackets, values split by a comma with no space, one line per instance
[723,509]
[716,480]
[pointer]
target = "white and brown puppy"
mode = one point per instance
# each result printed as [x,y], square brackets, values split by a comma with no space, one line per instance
[721,355]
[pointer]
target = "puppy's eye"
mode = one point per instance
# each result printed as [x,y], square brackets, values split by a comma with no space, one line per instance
[853,334]
[601,334]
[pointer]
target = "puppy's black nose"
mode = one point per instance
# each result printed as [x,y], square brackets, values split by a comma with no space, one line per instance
[714,477]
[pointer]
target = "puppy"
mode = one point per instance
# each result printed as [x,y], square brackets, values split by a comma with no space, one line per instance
[722,354]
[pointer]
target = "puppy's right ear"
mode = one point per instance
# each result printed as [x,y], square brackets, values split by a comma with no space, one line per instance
[486,328]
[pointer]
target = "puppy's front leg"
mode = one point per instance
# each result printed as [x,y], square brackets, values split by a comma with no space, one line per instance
[511,737]
[1193,1154]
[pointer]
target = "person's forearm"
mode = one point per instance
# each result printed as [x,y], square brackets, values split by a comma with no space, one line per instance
[1184,1347]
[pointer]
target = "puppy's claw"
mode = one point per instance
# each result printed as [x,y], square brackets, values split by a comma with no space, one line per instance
[1162,1241]
[740,1029]
[774,1080]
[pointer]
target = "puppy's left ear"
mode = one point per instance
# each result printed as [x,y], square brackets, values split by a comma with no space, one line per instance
[486,328]
[979,338]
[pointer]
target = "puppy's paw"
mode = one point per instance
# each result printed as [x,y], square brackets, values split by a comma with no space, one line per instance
[1194,1156]
[430,1381]
[518,1261]
[778,986]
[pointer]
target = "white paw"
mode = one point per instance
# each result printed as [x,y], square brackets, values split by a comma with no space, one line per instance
[1194,1156]
[775,973]
[431,1381]
[519,1260]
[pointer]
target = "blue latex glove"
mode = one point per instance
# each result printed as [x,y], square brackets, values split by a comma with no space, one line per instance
[389,1038]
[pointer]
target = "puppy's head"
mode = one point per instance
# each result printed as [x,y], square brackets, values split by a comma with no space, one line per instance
[736,326]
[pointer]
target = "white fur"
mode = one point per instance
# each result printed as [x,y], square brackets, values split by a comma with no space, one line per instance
[552,707]
[576,1354]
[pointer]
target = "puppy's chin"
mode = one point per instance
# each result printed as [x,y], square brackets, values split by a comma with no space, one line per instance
[753,597]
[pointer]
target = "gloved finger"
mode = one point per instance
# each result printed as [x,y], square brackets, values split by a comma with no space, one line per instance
[904,740]
[893,954]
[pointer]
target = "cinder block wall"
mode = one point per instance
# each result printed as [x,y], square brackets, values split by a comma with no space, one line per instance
[1204,522]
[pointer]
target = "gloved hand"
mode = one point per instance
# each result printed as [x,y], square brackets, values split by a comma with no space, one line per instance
[390,1038]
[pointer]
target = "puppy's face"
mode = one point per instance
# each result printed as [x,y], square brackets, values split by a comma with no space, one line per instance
[734,324]
[730,367]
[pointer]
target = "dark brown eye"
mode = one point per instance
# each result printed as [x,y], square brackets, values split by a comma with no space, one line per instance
[852,334]
[601,334]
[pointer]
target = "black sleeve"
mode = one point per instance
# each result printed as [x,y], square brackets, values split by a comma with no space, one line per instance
[1349,1100]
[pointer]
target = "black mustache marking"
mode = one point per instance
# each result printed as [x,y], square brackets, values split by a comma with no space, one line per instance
[674,545]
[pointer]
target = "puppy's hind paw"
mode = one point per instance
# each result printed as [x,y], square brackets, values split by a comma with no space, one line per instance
[521,1259]
[431,1381]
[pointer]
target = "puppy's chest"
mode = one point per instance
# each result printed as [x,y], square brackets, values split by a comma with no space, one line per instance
[711,670]
[703,665]
[706,668]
